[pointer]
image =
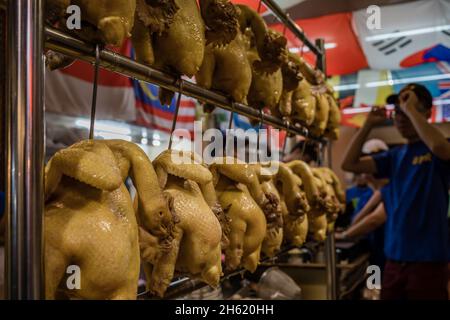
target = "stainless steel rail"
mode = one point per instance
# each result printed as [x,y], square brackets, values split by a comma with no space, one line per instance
[63,43]
[186,285]
[291,25]
[24,149]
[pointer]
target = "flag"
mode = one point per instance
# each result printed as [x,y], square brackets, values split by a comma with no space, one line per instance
[411,33]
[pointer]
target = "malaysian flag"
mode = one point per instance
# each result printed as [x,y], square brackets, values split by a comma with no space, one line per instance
[69,92]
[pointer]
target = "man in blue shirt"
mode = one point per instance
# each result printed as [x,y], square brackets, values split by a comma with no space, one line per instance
[416,202]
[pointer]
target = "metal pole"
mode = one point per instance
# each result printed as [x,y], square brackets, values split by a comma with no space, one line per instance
[330,249]
[24,150]
[291,25]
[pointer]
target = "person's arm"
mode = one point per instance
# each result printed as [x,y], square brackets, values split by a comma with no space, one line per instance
[430,135]
[353,161]
[365,226]
[374,200]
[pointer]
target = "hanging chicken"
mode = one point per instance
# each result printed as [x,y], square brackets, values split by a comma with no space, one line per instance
[274,234]
[292,76]
[107,22]
[266,88]
[196,249]
[171,35]
[303,105]
[322,113]
[227,68]
[334,119]
[294,205]
[90,222]
[247,220]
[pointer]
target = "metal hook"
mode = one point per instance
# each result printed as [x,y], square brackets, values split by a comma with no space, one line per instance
[177,107]
[94,92]
[230,123]
[261,119]
[286,123]
[284,25]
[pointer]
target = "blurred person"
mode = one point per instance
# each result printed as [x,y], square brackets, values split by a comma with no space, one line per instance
[305,151]
[416,201]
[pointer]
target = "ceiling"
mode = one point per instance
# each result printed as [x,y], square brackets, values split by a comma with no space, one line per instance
[314,8]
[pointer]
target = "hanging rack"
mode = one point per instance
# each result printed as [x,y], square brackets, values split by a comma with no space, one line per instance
[61,42]
[25,188]
[186,285]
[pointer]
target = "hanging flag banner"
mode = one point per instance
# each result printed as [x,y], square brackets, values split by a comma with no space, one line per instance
[411,33]
[68,91]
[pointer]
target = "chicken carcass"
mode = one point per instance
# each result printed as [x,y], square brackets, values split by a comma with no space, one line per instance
[108,22]
[335,194]
[274,234]
[292,76]
[90,222]
[175,40]
[266,88]
[198,234]
[334,119]
[294,205]
[303,104]
[227,69]
[320,122]
[247,220]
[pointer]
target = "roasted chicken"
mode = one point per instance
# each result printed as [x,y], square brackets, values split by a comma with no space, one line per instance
[196,249]
[90,222]
[266,88]
[320,122]
[228,69]
[334,119]
[107,22]
[294,205]
[234,180]
[170,35]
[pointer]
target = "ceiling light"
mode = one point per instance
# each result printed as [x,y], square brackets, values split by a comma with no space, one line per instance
[328,46]
[406,33]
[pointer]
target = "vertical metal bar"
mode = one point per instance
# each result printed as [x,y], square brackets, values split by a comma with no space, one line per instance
[24,150]
[321,57]
[94,92]
[175,116]
[330,249]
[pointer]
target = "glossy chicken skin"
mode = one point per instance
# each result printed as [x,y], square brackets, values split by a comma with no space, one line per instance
[170,35]
[294,206]
[248,222]
[334,119]
[274,234]
[113,18]
[266,88]
[320,122]
[227,69]
[198,235]
[90,221]
[303,104]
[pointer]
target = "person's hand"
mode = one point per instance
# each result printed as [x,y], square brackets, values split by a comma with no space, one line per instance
[376,116]
[408,101]
[340,235]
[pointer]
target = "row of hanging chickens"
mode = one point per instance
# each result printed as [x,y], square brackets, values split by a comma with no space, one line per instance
[226,47]
[184,217]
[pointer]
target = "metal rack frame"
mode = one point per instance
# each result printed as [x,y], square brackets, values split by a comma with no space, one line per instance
[26,136]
